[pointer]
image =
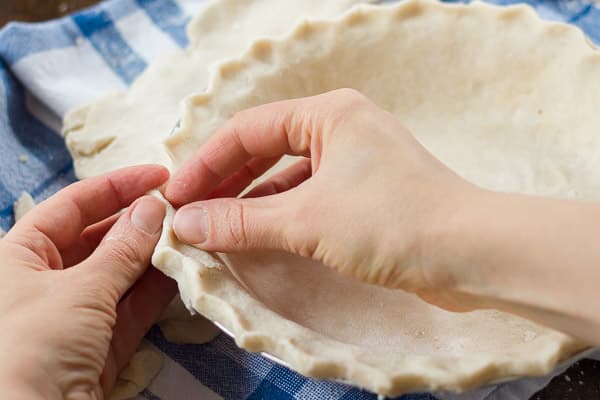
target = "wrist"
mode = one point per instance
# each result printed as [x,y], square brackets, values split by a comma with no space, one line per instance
[455,238]
[505,250]
[532,256]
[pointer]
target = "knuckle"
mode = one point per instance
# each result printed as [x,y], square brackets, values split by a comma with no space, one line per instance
[350,99]
[307,168]
[100,293]
[295,236]
[350,104]
[269,188]
[350,95]
[238,119]
[238,115]
[126,250]
[234,225]
[41,245]
[308,248]
[279,184]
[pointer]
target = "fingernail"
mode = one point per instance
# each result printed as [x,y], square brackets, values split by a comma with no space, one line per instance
[148,214]
[191,224]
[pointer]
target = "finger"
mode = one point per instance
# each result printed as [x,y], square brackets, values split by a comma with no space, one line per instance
[283,181]
[266,131]
[63,216]
[124,253]
[89,239]
[446,300]
[294,127]
[239,181]
[94,233]
[231,224]
[137,312]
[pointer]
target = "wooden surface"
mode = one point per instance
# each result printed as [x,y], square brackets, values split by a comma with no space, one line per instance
[580,382]
[38,10]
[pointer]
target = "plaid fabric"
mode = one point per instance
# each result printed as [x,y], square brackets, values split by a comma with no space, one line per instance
[48,68]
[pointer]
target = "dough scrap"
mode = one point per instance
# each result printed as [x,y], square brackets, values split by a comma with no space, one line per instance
[143,367]
[503,98]
[23,205]
[128,127]
[178,325]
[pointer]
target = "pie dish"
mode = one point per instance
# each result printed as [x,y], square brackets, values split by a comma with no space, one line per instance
[506,100]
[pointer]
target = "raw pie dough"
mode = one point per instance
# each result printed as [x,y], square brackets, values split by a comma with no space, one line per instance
[128,128]
[142,368]
[506,100]
[23,205]
[179,326]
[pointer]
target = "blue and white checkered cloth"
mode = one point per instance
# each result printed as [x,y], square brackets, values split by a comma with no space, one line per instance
[48,68]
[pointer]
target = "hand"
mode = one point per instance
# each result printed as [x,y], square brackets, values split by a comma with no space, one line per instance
[72,313]
[366,201]
[371,202]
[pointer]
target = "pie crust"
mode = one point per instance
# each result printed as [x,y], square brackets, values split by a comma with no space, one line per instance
[128,127]
[506,100]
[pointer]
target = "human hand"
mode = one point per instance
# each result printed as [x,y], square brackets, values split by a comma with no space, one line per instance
[367,201]
[372,203]
[72,308]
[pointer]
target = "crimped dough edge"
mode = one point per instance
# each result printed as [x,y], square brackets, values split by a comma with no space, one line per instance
[206,286]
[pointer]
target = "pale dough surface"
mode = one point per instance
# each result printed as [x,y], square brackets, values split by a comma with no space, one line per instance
[22,206]
[506,100]
[179,326]
[128,128]
[142,368]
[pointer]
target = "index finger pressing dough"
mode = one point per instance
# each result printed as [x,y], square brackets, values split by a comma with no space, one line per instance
[504,99]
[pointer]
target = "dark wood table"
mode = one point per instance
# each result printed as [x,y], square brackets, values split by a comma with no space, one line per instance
[580,382]
[38,10]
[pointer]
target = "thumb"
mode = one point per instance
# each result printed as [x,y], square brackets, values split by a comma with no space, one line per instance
[124,253]
[231,225]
